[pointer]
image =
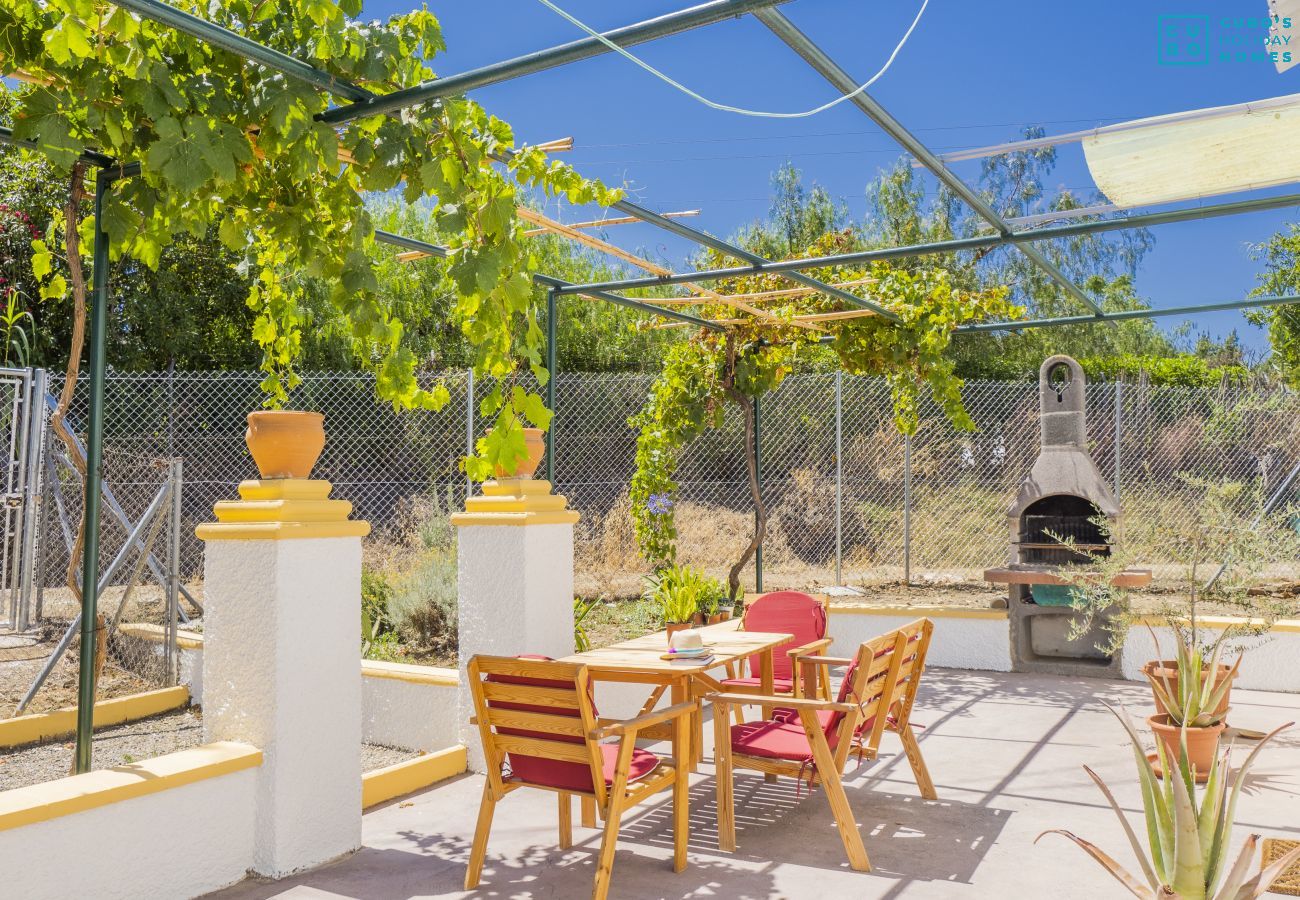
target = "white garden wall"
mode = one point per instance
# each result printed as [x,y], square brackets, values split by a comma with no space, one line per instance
[413,707]
[185,840]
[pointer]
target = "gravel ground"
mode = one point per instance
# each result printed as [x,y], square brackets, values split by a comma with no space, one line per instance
[120,745]
[136,741]
[376,756]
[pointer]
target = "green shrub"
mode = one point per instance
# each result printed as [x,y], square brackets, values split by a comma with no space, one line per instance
[423,605]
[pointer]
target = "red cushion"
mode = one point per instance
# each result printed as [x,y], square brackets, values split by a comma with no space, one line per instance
[571,776]
[779,685]
[535,769]
[773,740]
[785,612]
[828,719]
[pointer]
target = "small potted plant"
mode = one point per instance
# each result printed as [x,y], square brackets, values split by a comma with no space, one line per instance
[1221,555]
[1191,709]
[712,593]
[1188,843]
[676,590]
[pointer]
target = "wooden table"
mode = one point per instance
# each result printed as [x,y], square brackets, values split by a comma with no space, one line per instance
[639,661]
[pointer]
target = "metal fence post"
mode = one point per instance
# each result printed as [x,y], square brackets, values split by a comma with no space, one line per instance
[1119,431]
[172,648]
[907,509]
[33,463]
[11,555]
[839,476]
[758,477]
[469,427]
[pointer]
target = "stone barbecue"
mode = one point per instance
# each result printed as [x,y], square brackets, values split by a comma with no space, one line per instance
[1063,497]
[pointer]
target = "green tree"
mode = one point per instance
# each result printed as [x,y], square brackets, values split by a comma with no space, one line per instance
[713,371]
[1281,275]
[227,145]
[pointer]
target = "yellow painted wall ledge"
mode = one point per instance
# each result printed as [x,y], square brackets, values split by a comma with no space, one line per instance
[282,509]
[45,726]
[438,675]
[932,612]
[411,775]
[516,501]
[147,631]
[78,793]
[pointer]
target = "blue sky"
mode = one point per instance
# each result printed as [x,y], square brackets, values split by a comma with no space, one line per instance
[974,73]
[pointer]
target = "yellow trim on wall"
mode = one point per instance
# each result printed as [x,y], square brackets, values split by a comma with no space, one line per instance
[411,775]
[516,501]
[147,631]
[282,509]
[1281,626]
[932,612]
[78,793]
[43,726]
[408,672]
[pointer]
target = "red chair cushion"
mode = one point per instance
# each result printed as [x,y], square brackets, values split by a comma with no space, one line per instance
[773,740]
[826,717]
[536,769]
[785,612]
[570,776]
[779,685]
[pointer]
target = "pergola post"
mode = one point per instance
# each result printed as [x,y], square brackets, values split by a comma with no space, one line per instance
[551,366]
[94,477]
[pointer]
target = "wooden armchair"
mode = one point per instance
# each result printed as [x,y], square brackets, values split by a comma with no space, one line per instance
[539,728]
[914,644]
[788,612]
[809,736]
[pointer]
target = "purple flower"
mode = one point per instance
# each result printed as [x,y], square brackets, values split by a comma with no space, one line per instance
[659,504]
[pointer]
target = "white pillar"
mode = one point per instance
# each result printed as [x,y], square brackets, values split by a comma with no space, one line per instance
[515,579]
[281,671]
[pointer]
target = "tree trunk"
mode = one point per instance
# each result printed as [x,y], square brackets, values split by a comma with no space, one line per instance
[746,405]
[77,280]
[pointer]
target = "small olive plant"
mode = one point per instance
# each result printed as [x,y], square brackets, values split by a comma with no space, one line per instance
[681,592]
[1187,844]
[1216,529]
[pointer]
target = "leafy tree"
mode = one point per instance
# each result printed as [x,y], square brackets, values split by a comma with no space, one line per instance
[712,371]
[238,147]
[1281,256]
[593,335]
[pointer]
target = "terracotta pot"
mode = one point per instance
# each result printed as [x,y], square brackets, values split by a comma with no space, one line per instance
[535,442]
[1202,743]
[719,617]
[1166,670]
[285,443]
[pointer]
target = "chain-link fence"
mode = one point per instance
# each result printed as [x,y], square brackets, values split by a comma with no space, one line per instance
[850,499]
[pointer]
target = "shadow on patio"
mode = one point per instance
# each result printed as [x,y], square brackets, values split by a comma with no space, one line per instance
[1006,753]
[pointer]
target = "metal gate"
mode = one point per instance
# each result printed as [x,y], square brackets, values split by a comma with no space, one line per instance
[22,433]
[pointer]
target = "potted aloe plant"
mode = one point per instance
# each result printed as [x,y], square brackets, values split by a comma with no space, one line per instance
[1191,707]
[1187,843]
[1222,548]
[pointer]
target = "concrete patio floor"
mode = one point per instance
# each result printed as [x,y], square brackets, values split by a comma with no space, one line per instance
[1005,752]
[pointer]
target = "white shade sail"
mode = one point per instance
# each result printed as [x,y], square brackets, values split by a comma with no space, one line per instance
[1200,154]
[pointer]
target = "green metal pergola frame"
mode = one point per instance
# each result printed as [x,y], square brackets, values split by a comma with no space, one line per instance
[360,103]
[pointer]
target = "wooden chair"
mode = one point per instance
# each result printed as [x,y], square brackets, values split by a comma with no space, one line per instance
[786,612]
[539,728]
[816,736]
[866,742]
